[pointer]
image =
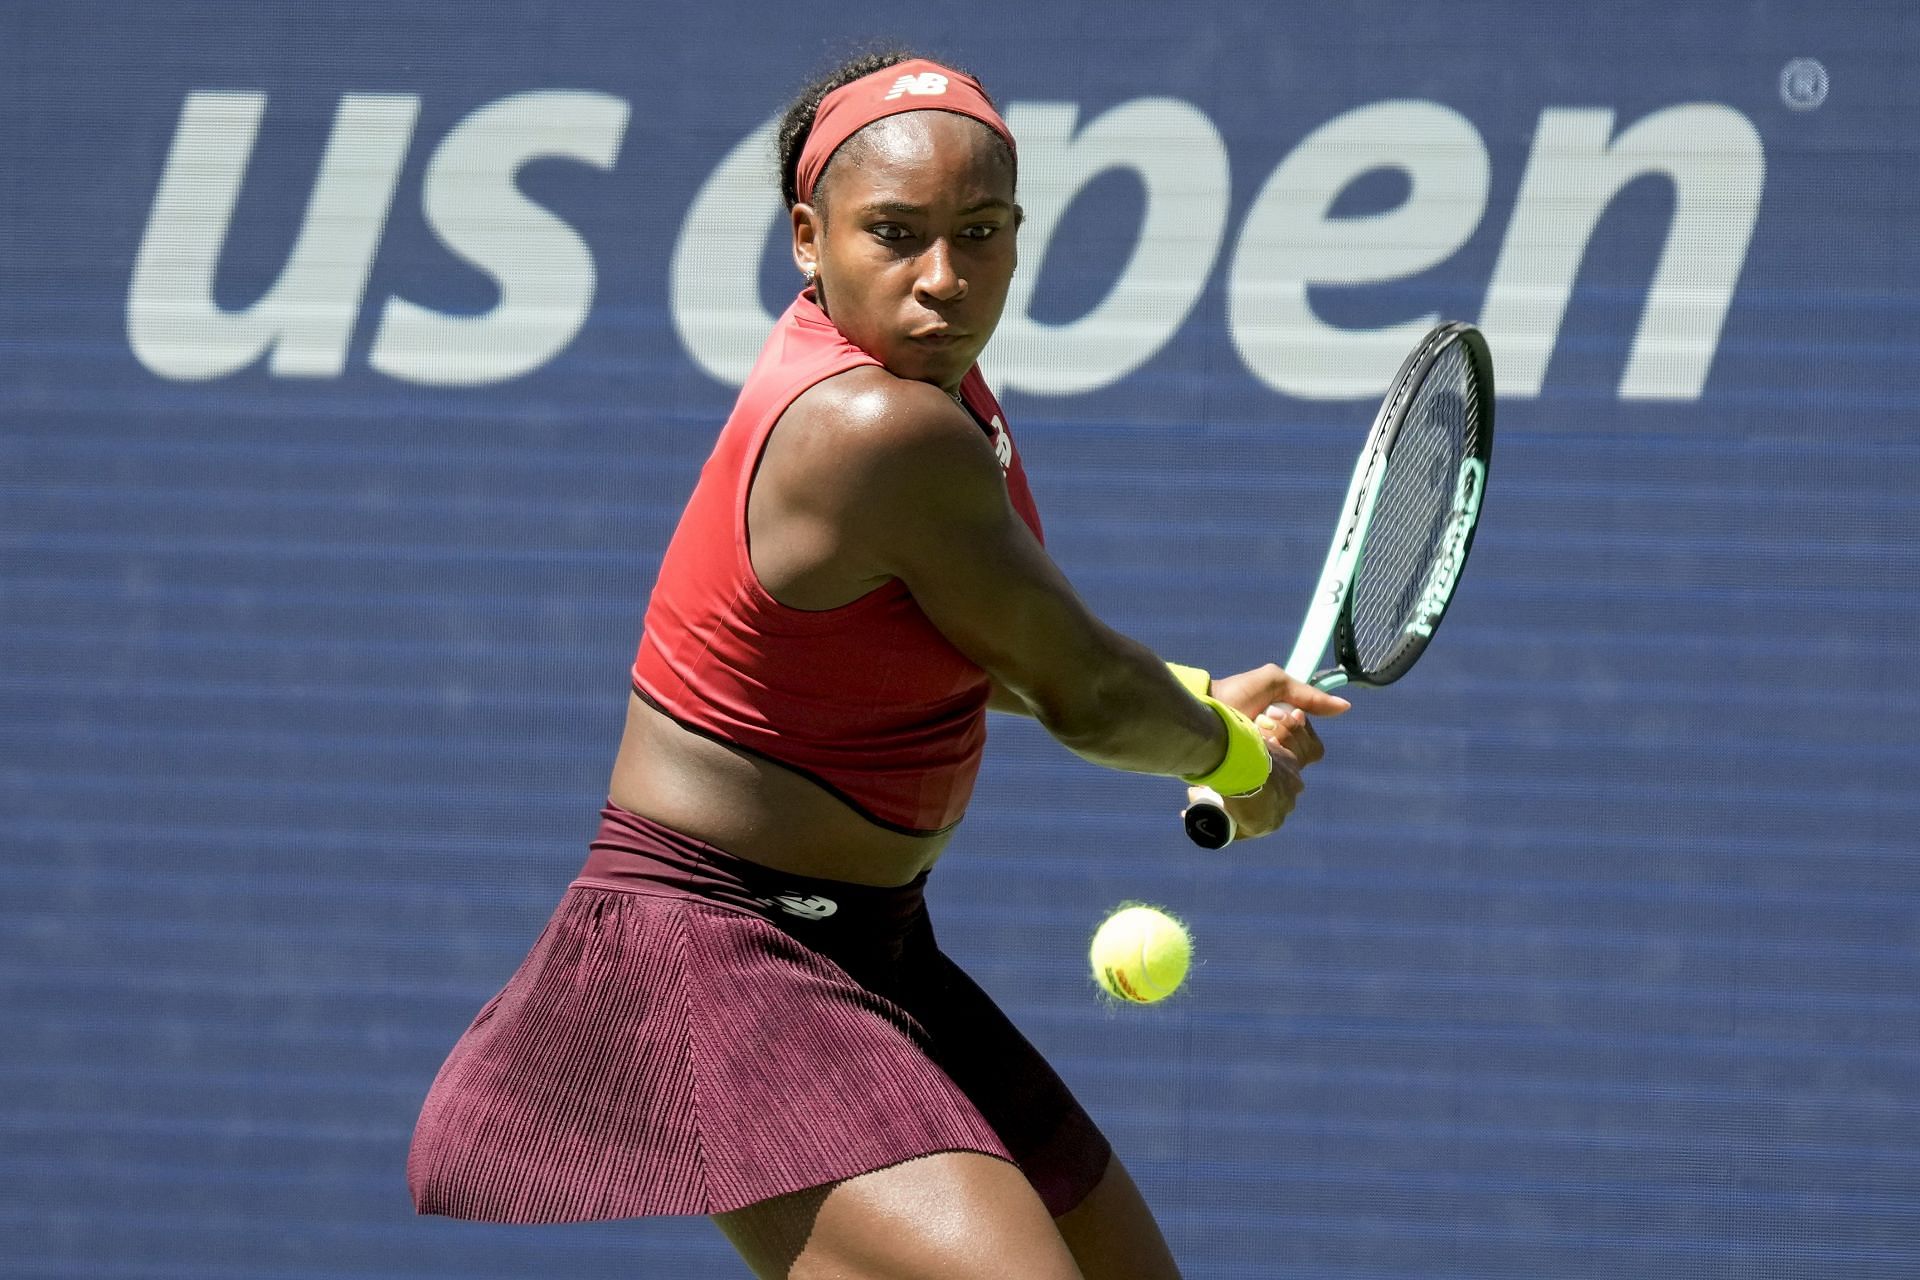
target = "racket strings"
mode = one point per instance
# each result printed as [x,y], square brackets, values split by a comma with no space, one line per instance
[1414,511]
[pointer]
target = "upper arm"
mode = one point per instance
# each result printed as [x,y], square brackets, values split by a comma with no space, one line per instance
[918,495]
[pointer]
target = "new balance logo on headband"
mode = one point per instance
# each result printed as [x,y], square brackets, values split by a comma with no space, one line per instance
[927,84]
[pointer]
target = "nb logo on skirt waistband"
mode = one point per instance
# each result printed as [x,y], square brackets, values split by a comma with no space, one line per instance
[814,908]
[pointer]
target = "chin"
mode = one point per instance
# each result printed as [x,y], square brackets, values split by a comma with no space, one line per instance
[938,366]
[953,362]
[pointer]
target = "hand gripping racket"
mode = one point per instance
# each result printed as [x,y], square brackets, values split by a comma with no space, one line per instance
[1403,535]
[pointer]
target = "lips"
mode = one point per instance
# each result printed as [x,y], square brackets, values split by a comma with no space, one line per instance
[941,344]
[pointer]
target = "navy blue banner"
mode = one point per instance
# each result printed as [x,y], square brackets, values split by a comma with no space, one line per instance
[358,359]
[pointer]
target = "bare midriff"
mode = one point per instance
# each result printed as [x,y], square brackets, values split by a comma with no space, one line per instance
[754,808]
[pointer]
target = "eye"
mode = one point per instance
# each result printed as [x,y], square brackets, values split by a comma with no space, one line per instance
[981,231]
[890,231]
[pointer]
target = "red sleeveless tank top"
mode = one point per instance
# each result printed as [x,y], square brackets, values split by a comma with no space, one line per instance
[868,700]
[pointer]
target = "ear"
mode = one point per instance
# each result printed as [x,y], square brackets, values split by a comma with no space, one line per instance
[808,227]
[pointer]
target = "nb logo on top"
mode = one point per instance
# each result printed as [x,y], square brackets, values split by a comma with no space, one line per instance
[928,84]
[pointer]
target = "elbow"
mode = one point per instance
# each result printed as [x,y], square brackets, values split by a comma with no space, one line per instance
[1078,732]
[1081,716]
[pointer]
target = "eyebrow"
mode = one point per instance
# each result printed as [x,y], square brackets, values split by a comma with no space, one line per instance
[904,209]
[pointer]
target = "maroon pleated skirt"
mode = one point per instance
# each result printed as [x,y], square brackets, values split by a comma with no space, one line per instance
[694,1033]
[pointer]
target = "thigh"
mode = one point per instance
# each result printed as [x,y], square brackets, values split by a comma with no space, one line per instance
[955,1215]
[1047,1132]
[1113,1235]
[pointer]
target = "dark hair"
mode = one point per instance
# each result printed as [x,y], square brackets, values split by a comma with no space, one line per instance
[796,123]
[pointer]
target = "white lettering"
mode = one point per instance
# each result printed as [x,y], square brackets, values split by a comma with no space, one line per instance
[1713,156]
[713,284]
[1182,161]
[544,269]
[1451,555]
[306,318]
[1289,244]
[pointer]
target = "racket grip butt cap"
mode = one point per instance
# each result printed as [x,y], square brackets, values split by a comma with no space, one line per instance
[1207,822]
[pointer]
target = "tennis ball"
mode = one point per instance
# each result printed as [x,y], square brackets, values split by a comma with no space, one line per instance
[1140,954]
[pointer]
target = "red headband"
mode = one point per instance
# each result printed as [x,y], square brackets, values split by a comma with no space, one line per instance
[914,85]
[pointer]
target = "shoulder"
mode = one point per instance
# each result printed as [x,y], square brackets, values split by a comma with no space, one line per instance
[878,455]
[868,414]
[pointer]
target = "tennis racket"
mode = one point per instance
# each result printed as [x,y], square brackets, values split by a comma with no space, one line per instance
[1404,532]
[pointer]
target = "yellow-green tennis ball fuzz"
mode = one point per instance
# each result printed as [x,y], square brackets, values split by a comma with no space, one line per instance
[1141,955]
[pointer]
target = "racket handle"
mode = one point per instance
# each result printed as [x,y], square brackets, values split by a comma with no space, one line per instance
[1207,821]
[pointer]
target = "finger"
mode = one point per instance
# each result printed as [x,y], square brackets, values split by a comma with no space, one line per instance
[1290,726]
[1319,702]
[1274,810]
[1260,814]
[1285,777]
[1307,744]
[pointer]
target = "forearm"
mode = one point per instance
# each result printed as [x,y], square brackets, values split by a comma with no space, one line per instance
[1131,713]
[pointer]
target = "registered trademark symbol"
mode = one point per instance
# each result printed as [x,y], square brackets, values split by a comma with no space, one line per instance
[1803,84]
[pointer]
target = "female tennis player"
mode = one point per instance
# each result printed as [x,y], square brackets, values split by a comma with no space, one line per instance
[738,1008]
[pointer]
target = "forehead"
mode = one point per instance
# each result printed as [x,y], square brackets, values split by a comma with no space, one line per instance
[922,155]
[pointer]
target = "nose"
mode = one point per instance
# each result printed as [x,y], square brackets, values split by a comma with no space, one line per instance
[939,281]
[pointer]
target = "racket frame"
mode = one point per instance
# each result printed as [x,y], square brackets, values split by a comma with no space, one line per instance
[1328,620]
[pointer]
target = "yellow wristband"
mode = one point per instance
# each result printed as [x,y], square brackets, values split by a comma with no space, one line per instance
[1246,766]
[1192,679]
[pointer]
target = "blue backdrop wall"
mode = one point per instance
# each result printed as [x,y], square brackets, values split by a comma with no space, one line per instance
[356,358]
